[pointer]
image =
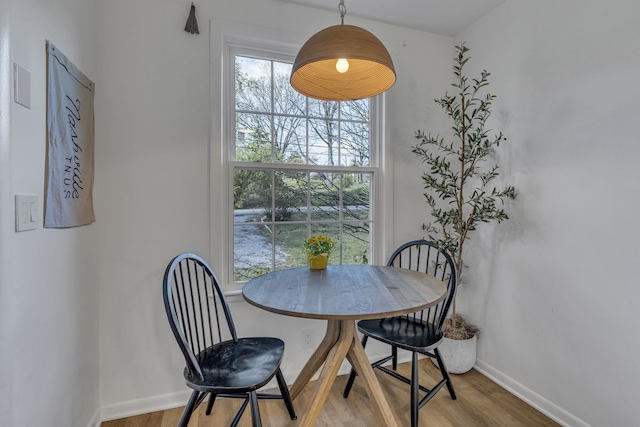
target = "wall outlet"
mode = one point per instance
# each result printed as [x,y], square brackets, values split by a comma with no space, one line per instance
[308,338]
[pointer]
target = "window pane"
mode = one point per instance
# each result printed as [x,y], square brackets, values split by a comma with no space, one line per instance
[290,251]
[252,251]
[290,139]
[253,137]
[323,109]
[286,99]
[253,84]
[323,142]
[290,196]
[356,243]
[325,196]
[356,197]
[355,110]
[251,191]
[355,146]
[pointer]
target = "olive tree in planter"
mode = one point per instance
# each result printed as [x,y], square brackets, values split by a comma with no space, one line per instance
[459,187]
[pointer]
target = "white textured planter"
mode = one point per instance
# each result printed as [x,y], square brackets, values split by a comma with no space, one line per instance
[459,356]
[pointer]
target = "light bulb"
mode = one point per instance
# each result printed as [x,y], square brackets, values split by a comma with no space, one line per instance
[342,65]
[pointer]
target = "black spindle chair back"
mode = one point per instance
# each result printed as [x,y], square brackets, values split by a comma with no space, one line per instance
[198,312]
[424,256]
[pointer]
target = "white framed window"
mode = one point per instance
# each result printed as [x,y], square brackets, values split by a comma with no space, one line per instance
[296,167]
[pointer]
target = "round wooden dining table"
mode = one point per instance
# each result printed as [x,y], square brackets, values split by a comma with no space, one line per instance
[342,294]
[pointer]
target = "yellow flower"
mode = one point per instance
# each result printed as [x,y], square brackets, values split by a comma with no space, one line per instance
[319,244]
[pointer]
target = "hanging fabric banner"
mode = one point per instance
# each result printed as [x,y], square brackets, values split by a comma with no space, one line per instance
[70,141]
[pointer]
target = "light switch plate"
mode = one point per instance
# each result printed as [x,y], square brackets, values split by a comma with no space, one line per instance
[26,212]
[21,86]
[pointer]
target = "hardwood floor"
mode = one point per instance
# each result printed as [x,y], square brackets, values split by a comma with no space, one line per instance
[480,402]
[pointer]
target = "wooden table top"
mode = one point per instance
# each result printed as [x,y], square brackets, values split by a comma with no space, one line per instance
[344,292]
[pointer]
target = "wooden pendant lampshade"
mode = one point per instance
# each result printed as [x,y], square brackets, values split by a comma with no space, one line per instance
[370,68]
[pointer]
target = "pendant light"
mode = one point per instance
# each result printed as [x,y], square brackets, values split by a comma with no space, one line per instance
[342,63]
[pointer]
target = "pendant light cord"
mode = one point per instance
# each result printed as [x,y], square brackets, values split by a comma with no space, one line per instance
[343,11]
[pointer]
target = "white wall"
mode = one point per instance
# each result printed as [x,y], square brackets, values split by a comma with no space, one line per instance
[157,155]
[554,289]
[6,375]
[49,290]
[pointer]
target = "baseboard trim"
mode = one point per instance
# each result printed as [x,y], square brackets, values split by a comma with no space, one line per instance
[146,405]
[96,419]
[543,405]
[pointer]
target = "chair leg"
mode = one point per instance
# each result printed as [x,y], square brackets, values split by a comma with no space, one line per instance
[415,388]
[394,353]
[350,380]
[284,390]
[255,411]
[186,415]
[353,373]
[445,374]
[212,399]
[238,416]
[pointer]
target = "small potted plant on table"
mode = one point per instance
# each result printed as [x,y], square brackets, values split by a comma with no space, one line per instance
[318,251]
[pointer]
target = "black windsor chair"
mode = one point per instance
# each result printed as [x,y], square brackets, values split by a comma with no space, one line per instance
[420,332]
[218,362]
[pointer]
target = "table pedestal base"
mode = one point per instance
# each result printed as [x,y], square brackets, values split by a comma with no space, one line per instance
[340,342]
